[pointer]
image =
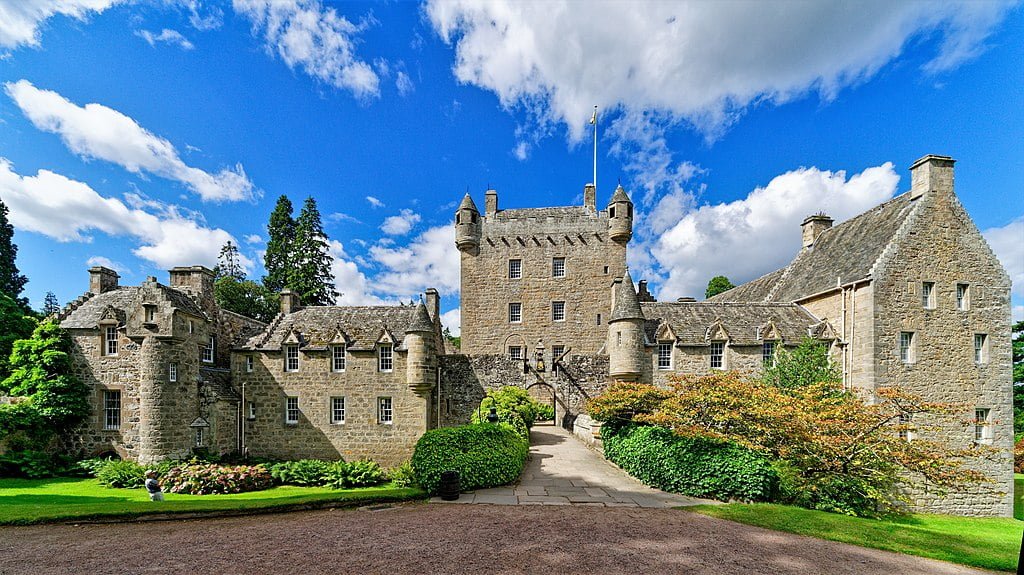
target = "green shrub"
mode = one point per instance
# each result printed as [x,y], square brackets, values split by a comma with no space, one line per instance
[545,412]
[336,475]
[123,474]
[30,464]
[510,418]
[304,472]
[403,475]
[485,455]
[90,467]
[695,466]
[364,473]
[209,478]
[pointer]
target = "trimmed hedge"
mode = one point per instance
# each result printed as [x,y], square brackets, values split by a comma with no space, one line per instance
[484,454]
[694,466]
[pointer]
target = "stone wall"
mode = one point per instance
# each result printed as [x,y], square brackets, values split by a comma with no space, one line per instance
[850,311]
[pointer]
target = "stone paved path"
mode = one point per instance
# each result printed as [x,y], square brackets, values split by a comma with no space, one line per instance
[563,471]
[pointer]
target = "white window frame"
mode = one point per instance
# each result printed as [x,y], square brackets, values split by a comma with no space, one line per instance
[982,425]
[928,295]
[199,436]
[558,267]
[515,352]
[252,410]
[556,350]
[111,409]
[110,340]
[338,362]
[664,355]
[385,410]
[906,347]
[981,348]
[515,269]
[768,348]
[558,311]
[905,419]
[209,350]
[291,409]
[515,312]
[717,351]
[172,372]
[249,363]
[191,326]
[385,358]
[337,407]
[291,352]
[963,296]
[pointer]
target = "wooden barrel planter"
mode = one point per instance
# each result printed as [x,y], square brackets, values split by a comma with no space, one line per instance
[450,485]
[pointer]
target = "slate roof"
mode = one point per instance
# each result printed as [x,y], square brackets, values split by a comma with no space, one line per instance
[467,203]
[627,305]
[317,326]
[690,321]
[220,381]
[846,252]
[87,315]
[553,212]
[619,196]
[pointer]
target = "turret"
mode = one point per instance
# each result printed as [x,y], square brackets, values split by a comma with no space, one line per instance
[625,332]
[620,216]
[419,364]
[467,226]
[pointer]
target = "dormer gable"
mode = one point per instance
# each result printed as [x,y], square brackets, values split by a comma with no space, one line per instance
[822,330]
[111,316]
[385,337]
[769,331]
[665,333]
[340,338]
[716,332]
[294,337]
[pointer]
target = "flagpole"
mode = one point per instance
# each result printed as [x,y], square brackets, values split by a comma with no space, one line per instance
[595,147]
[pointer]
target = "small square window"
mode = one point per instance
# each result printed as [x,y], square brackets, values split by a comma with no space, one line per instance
[249,363]
[338,410]
[605,270]
[338,358]
[385,359]
[982,425]
[664,355]
[515,269]
[768,354]
[515,352]
[963,297]
[291,410]
[111,410]
[558,311]
[558,267]
[928,295]
[172,372]
[980,348]
[515,312]
[291,357]
[907,347]
[556,352]
[385,411]
[718,355]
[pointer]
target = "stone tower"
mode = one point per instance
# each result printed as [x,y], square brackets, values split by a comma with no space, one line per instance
[420,368]
[620,216]
[467,226]
[626,353]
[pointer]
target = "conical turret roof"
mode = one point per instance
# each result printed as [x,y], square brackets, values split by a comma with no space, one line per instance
[467,203]
[421,320]
[627,305]
[619,196]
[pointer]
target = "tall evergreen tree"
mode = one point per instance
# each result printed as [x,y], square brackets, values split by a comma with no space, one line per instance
[312,277]
[50,304]
[228,264]
[11,281]
[279,260]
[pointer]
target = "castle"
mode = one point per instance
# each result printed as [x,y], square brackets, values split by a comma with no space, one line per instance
[907,293]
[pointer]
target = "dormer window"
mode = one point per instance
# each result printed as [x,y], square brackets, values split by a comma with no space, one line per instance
[664,355]
[291,357]
[385,357]
[338,358]
[150,313]
[718,355]
[110,340]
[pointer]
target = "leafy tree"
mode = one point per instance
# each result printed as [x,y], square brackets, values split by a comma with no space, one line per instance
[717,285]
[455,340]
[808,363]
[278,259]
[41,371]
[11,281]
[50,304]
[1018,377]
[247,298]
[14,325]
[228,264]
[312,277]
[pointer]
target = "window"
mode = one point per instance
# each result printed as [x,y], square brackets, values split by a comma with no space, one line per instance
[598,319]
[208,351]
[191,326]
[291,410]
[963,297]
[611,211]
[150,314]
[556,352]
[252,410]
[558,267]
[291,358]
[172,372]
[605,270]
[980,348]
[338,358]
[385,361]
[664,356]
[558,311]
[111,410]
[718,355]
[199,437]
[768,353]
[515,269]
[338,410]
[905,420]
[515,353]
[907,346]
[928,295]
[249,364]
[110,339]
[385,411]
[515,312]
[618,339]
[982,425]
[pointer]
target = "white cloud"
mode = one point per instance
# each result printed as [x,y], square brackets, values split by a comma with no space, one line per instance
[401,224]
[430,260]
[404,84]
[350,282]
[452,319]
[750,237]
[375,202]
[1008,244]
[702,62]
[316,39]
[96,131]
[68,210]
[167,35]
[20,20]
[342,217]
[107,263]
[253,239]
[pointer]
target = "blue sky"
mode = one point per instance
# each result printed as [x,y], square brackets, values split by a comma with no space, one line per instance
[144,134]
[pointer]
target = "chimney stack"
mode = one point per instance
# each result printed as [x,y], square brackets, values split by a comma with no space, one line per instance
[290,301]
[590,197]
[433,303]
[931,174]
[813,226]
[491,202]
[102,279]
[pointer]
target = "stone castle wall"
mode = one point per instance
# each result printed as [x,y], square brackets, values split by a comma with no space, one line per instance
[850,311]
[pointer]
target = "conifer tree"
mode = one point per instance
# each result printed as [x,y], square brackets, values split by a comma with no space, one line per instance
[312,278]
[279,258]
[50,304]
[228,265]
[11,281]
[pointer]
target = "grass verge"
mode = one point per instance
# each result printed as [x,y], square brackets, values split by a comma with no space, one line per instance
[986,542]
[26,501]
[1018,496]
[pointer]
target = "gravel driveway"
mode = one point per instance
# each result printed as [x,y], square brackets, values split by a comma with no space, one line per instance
[432,538]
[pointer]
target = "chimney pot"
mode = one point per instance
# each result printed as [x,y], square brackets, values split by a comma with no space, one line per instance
[812,227]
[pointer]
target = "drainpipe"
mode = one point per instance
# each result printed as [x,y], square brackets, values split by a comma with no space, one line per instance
[243,416]
[846,344]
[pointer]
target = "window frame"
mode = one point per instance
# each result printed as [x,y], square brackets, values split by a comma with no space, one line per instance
[906,347]
[720,347]
[385,415]
[250,363]
[905,419]
[110,341]
[518,269]
[335,410]
[198,437]
[664,355]
[558,264]
[289,400]
[150,313]
[385,358]
[172,372]
[515,312]
[557,306]
[111,409]
[209,350]
[335,358]
[928,295]
[981,348]
[963,296]
[515,352]
[982,425]
[768,348]
[289,356]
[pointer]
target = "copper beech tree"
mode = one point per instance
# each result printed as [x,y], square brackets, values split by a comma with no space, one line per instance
[827,438]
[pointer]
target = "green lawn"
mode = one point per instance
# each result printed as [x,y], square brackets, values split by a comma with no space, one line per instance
[41,500]
[1018,496]
[989,543]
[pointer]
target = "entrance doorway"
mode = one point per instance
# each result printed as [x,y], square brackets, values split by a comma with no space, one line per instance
[544,394]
